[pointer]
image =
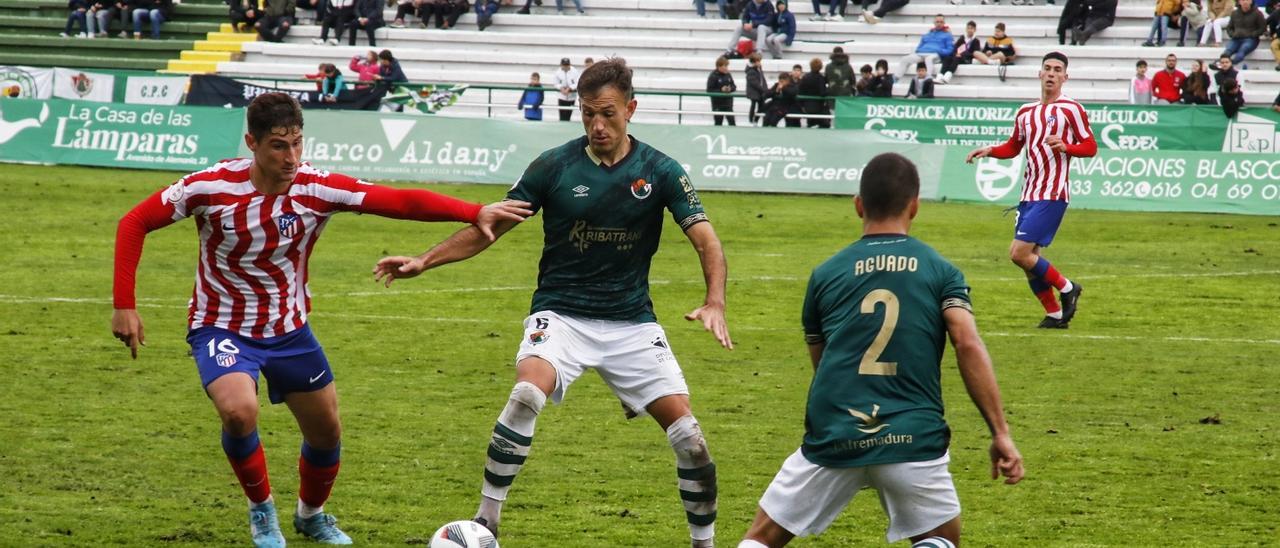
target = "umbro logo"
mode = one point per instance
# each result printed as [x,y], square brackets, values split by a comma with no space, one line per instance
[580,191]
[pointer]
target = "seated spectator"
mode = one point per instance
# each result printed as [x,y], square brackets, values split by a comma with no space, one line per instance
[1194,18]
[886,7]
[839,74]
[814,84]
[836,11]
[865,78]
[367,68]
[78,12]
[576,4]
[1246,27]
[485,10]
[328,82]
[155,12]
[1273,30]
[389,71]
[367,16]
[1099,14]
[701,7]
[446,12]
[277,18]
[757,87]
[964,48]
[1219,16]
[754,24]
[998,50]
[922,85]
[1165,9]
[405,8]
[882,81]
[108,11]
[244,14]
[1072,16]
[1140,86]
[1230,97]
[1195,90]
[336,17]
[933,47]
[782,101]
[783,29]
[91,18]
[1166,86]
[527,4]
[531,99]
[320,7]
[721,81]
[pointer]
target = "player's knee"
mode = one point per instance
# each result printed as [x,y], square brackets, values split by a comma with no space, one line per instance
[685,435]
[239,420]
[529,396]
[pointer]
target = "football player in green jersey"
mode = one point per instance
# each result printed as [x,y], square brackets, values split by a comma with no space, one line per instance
[603,197]
[875,317]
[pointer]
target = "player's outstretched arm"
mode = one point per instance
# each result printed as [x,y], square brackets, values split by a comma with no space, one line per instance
[462,245]
[980,381]
[424,205]
[714,272]
[150,214]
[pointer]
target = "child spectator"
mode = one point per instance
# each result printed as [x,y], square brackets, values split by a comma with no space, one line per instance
[1226,71]
[921,86]
[1140,86]
[882,82]
[814,84]
[1230,97]
[531,99]
[77,14]
[839,74]
[782,101]
[784,30]
[328,82]
[1195,90]
[998,50]
[965,47]
[1165,9]
[865,79]
[1166,86]
[389,69]
[721,81]
[1194,18]
[367,68]
[757,87]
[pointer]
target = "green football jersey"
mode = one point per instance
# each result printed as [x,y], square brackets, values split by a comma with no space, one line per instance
[601,227]
[876,397]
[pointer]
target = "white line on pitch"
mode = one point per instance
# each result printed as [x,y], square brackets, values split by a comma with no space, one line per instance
[1135,338]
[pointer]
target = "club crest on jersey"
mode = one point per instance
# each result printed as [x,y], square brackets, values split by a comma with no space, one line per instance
[225,359]
[641,189]
[538,337]
[290,225]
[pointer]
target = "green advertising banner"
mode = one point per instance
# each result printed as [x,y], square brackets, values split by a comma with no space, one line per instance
[1132,180]
[1117,127]
[57,131]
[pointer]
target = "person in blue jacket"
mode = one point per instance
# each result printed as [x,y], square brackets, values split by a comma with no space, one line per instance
[531,99]
[934,46]
[756,22]
[784,30]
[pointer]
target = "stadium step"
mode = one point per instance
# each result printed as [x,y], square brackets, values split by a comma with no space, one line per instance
[211,45]
[191,67]
[207,56]
[204,56]
[79,61]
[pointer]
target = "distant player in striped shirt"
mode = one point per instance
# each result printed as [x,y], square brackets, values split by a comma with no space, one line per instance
[258,219]
[1053,130]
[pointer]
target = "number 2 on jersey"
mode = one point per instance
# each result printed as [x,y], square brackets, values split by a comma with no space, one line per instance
[870,359]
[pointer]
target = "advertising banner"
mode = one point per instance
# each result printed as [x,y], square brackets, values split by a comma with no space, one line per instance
[220,91]
[26,82]
[58,131]
[82,85]
[155,90]
[1116,127]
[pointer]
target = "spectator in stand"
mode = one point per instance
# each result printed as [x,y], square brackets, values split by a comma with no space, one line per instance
[276,19]
[91,18]
[389,72]
[1194,18]
[922,85]
[408,7]
[1165,10]
[1072,17]
[1195,90]
[783,30]
[1140,86]
[1246,27]
[1275,105]
[367,68]
[755,23]
[882,82]
[1166,86]
[157,12]
[485,10]
[998,50]
[244,14]
[367,16]
[587,62]
[566,80]
[814,84]
[1219,16]
[865,78]
[78,12]
[329,82]
[447,12]
[1226,71]
[757,87]
[319,7]
[701,7]
[1230,97]
[531,99]
[107,11]
[1273,30]
[934,46]
[527,5]
[336,17]
[782,101]
[576,3]
[1099,14]
[720,81]
[886,7]
[964,49]
[836,11]
[839,74]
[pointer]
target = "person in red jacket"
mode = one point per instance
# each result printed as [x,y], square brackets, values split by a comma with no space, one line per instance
[1166,85]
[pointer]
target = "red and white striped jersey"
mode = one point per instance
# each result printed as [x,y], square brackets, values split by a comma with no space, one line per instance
[252,274]
[1045,175]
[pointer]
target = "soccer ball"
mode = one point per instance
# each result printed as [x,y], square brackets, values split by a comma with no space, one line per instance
[463,534]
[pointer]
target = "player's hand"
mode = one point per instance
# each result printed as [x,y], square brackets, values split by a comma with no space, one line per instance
[389,269]
[126,325]
[977,153]
[712,317]
[506,210]
[1055,143]
[1005,459]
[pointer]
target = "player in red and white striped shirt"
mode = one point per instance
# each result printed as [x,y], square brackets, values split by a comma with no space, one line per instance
[1053,130]
[258,219]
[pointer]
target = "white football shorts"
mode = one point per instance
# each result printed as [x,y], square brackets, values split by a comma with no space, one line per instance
[804,498]
[634,359]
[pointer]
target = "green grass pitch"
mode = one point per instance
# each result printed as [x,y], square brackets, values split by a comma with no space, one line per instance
[1150,422]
